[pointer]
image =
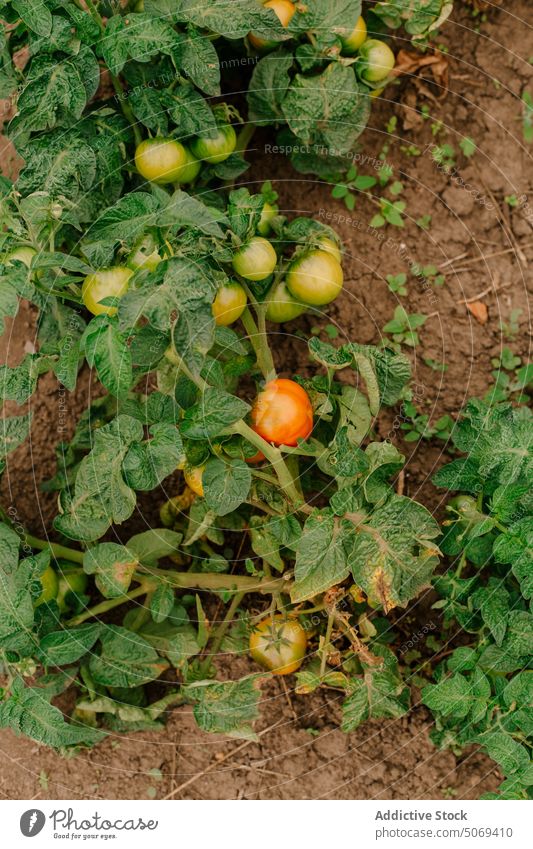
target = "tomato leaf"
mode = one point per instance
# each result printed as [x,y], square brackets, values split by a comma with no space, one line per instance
[321,560]
[226,707]
[59,648]
[226,484]
[106,351]
[148,463]
[126,659]
[113,565]
[215,411]
[29,712]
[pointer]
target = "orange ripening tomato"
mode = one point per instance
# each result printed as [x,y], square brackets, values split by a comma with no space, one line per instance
[282,413]
[256,458]
[284,11]
[278,644]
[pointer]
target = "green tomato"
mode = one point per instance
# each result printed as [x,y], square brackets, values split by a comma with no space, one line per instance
[282,306]
[352,41]
[315,278]
[73,581]
[106,283]
[215,149]
[331,247]
[160,160]
[50,584]
[256,260]
[278,644]
[378,60]
[23,254]
[268,213]
[189,172]
[144,254]
[229,304]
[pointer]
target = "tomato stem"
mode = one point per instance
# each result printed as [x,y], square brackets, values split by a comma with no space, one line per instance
[245,136]
[218,581]
[56,549]
[111,603]
[223,626]
[274,456]
[259,343]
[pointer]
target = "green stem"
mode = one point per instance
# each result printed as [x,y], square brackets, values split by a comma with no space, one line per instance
[172,356]
[327,639]
[260,345]
[111,603]
[274,456]
[245,136]
[56,549]
[126,109]
[218,581]
[220,632]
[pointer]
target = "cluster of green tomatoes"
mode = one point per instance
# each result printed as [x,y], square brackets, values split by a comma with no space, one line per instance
[375,59]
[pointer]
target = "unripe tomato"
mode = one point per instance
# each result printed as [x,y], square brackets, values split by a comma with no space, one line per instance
[255,260]
[189,172]
[193,478]
[229,304]
[376,92]
[106,283]
[71,580]
[282,413]
[50,584]
[353,40]
[160,160]
[282,306]
[284,10]
[268,213]
[378,60]
[23,254]
[215,149]
[331,247]
[315,278]
[278,644]
[256,458]
[144,254]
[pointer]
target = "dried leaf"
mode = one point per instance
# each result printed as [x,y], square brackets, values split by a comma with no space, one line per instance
[411,63]
[479,311]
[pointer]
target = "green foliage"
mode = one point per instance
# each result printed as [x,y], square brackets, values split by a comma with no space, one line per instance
[483,691]
[175,389]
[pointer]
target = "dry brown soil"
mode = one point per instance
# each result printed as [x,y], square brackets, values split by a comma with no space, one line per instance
[483,245]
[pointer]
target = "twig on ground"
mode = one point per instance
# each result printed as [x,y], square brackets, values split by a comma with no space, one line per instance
[214,765]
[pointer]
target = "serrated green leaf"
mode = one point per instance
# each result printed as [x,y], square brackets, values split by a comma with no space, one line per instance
[226,707]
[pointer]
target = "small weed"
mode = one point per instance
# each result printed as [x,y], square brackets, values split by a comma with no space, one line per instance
[433,364]
[391,212]
[353,184]
[417,425]
[429,273]
[511,327]
[468,146]
[424,222]
[511,378]
[512,201]
[396,283]
[403,327]
[444,155]
[527,117]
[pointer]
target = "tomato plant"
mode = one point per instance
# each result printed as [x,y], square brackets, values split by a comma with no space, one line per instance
[483,690]
[289,496]
[281,491]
